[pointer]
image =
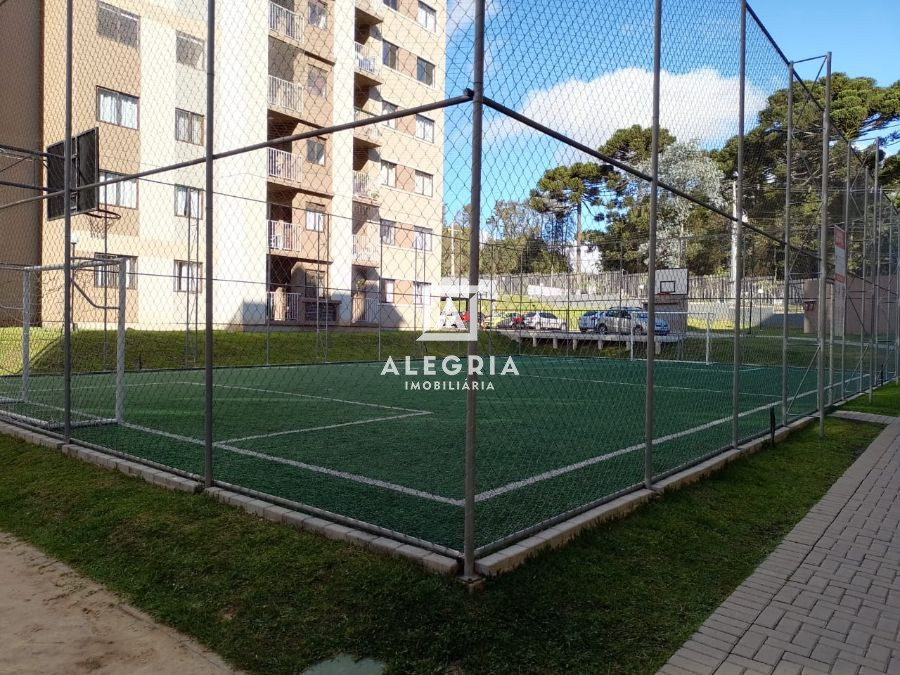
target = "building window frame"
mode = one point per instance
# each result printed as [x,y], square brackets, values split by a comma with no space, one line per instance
[108,277]
[425,71]
[122,194]
[424,184]
[188,277]
[190,51]
[426,16]
[118,116]
[118,25]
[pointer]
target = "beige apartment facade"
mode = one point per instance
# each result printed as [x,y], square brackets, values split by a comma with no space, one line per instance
[340,228]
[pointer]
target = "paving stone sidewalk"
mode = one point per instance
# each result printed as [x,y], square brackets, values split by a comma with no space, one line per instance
[828,598]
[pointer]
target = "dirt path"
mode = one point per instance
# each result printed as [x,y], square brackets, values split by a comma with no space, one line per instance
[53,620]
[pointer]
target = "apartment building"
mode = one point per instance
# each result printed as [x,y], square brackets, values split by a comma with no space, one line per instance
[340,228]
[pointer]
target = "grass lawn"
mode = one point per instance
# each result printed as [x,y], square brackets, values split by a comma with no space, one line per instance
[620,598]
[885,401]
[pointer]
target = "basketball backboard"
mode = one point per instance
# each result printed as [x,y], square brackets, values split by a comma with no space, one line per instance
[86,171]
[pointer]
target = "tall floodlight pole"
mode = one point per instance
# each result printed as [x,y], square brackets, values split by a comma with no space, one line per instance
[876,273]
[474,242]
[67,235]
[739,234]
[210,146]
[651,254]
[785,305]
[823,246]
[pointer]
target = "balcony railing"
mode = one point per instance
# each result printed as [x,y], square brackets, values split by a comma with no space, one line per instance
[285,23]
[371,132]
[284,166]
[285,236]
[284,94]
[363,186]
[365,249]
[366,61]
[301,307]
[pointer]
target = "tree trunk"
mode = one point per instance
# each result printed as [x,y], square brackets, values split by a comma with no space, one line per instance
[578,248]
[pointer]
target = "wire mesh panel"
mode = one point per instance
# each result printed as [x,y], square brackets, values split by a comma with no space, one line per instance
[332,254]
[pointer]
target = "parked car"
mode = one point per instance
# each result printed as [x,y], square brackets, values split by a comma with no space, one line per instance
[543,321]
[588,320]
[465,317]
[509,321]
[628,320]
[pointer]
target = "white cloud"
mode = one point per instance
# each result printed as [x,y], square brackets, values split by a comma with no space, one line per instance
[461,13]
[700,105]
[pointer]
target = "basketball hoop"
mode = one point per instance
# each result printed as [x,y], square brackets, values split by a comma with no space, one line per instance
[100,219]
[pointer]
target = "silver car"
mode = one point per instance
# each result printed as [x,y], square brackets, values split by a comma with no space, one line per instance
[628,320]
[588,320]
[543,321]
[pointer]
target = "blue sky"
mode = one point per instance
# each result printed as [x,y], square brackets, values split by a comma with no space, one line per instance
[583,68]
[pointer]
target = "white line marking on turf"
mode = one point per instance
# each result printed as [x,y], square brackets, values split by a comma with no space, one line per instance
[553,473]
[324,427]
[643,385]
[356,478]
[320,398]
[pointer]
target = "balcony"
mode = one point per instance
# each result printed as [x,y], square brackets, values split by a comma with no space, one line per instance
[368,64]
[284,95]
[369,12]
[368,136]
[366,250]
[284,166]
[300,308]
[285,236]
[364,187]
[285,24]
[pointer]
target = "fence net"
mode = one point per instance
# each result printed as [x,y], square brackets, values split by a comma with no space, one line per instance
[291,184]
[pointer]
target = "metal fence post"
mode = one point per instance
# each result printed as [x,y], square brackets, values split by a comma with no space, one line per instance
[120,342]
[823,246]
[863,301]
[876,275]
[210,130]
[849,251]
[474,242]
[739,234]
[651,252]
[67,235]
[789,147]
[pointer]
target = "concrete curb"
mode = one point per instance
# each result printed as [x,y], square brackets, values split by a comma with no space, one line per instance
[278,514]
[146,473]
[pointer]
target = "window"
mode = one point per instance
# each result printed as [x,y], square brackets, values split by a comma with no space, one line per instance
[188,277]
[422,241]
[318,15]
[117,24]
[427,17]
[315,152]
[424,128]
[123,193]
[424,183]
[188,202]
[315,217]
[317,82]
[424,71]
[390,54]
[117,108]
[391,3]
[188,127]
[387,290]
[107,276]
[189,51]
[387,109]
[421,293]
[387,232]
[388,174]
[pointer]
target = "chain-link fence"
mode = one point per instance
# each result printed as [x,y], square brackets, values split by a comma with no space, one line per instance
[451,273]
